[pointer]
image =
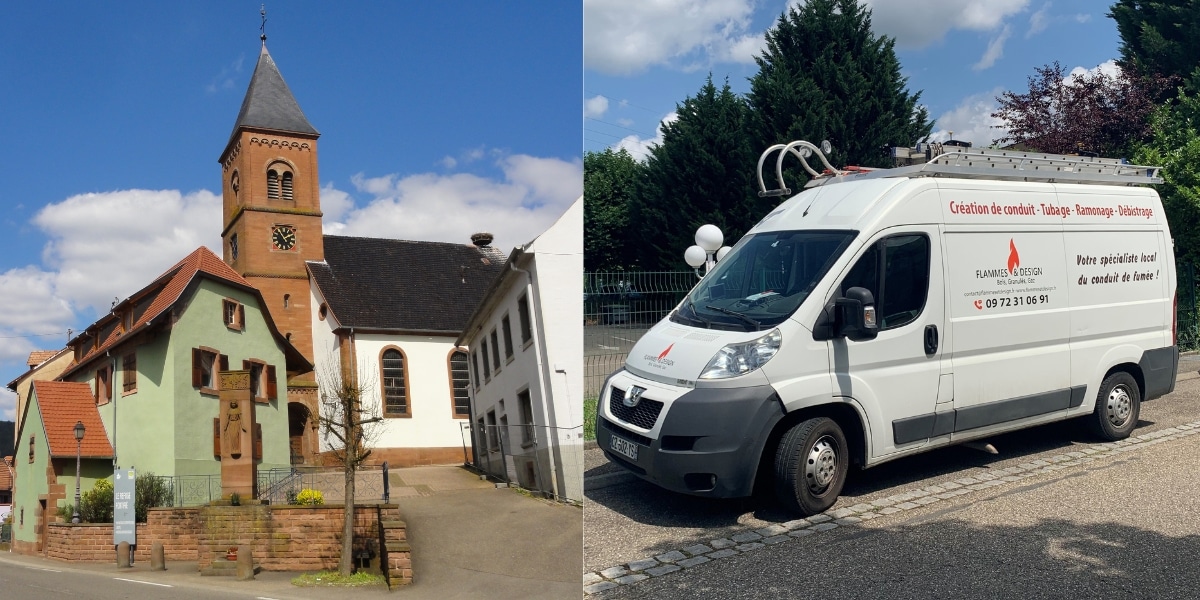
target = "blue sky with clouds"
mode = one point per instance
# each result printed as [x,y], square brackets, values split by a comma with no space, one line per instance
[436,120]
[642,58]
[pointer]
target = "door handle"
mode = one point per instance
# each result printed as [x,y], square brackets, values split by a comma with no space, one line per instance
[931,340]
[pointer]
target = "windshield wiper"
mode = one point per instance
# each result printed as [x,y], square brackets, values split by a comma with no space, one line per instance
[698,318]
[756,324]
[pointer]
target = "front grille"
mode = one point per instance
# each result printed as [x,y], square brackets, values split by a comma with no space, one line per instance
[643,415]
[632,436]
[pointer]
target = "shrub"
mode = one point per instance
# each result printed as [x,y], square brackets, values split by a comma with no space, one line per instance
[149,491]
[308,497]
[96,504]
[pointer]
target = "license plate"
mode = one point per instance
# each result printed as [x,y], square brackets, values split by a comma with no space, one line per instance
[625,448]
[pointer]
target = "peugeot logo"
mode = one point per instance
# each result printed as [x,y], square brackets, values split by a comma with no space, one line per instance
[633,395]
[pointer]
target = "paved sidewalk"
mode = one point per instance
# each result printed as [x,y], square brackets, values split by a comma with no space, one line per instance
[469,539]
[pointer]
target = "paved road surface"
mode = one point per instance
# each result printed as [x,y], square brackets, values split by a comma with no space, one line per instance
[1078,511]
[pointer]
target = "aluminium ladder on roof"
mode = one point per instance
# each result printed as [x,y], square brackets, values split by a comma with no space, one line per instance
[975,163]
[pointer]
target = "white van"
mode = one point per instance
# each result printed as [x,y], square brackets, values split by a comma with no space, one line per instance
[876,315]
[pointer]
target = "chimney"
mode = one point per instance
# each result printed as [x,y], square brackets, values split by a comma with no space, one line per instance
[481,239]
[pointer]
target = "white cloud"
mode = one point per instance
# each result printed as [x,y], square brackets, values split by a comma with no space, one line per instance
[919,23]
[335,203]
[1038,21]
[595,107]
[448,162]
[449,208]
[8,405]
[995,50]
[1108,67]
[624,37]
[223,81]
[112,244]
[972,120]
[640,148]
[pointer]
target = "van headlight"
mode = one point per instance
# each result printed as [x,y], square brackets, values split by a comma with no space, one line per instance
[739,359]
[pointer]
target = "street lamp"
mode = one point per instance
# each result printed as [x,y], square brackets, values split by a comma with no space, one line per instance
[708,249]
[79,431]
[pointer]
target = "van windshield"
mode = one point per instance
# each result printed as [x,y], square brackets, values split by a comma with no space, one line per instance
[763,279]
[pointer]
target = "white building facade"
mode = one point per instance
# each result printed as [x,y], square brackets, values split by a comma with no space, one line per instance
[526,364]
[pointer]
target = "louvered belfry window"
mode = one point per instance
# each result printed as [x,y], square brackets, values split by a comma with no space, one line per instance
[287,185]
[272,184]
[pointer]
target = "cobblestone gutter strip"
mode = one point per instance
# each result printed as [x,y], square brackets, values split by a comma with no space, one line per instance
[753,539]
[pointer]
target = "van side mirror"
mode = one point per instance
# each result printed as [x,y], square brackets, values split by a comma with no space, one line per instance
[855,316]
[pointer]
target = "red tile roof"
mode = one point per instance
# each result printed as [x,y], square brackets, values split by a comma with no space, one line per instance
[163,292]
[38,357]
[62,404]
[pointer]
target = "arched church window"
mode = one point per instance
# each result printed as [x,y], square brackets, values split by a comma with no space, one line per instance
[287,185]
[394,371]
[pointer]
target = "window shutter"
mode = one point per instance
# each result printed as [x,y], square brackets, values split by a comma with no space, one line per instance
[272,388]
[108,384]
[197,374]
[217,438]
[241,317]
[245,365]
[258,441]
[224,362]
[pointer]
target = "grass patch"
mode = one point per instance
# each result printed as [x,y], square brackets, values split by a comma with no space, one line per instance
[332,578]
[589,418]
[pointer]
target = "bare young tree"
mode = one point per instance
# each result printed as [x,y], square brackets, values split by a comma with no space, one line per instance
[348,425]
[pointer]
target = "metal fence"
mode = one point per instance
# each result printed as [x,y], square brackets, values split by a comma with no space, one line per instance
[1187,323]
[539,458]
[618,307]
[280,486]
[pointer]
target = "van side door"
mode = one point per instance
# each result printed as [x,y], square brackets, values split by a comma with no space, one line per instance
[894,377]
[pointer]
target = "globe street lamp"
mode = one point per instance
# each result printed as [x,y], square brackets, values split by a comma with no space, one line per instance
[79,430]
[708,249]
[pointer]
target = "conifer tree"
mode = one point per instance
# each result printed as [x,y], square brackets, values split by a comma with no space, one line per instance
[703,172]
[609,184]
[825,76]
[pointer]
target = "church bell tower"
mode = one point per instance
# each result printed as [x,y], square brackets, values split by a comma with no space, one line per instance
[272,207]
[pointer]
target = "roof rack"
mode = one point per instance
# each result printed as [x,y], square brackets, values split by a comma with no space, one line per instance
[968,163]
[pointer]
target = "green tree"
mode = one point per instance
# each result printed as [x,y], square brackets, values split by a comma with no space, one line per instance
[702,172]
[825,76]
[609,184]
[1176,148]
[1158,37]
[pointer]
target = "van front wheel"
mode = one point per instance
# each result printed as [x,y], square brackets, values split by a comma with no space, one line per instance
[810,466]
[1117,407]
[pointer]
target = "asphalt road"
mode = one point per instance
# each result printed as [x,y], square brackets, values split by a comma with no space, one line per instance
[26,582]
[1120,521]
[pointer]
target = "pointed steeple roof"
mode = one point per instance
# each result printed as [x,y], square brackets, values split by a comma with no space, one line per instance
[269,103]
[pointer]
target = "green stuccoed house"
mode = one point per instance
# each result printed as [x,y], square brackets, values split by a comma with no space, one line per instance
[144,382]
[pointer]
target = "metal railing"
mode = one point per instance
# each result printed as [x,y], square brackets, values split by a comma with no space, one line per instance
[618,307]
[280,486]
[539,458]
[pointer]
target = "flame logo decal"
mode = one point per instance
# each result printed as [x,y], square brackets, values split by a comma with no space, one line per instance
[1014,259]
[665,352]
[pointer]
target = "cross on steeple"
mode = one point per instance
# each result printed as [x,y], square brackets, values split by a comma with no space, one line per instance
[263,28]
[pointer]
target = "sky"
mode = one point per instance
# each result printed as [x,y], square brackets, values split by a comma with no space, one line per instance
[436,121]
[643,57]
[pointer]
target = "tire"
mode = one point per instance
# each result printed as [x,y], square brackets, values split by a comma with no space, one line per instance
[810,466]
[1118,405]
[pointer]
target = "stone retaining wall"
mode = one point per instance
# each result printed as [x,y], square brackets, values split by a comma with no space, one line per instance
[282,538]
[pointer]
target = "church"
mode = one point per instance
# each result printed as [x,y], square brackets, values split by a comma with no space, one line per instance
[384,313]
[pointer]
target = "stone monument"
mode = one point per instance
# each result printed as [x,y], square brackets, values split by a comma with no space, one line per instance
[238,472]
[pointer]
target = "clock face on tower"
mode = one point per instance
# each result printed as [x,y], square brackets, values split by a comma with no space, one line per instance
[283,237]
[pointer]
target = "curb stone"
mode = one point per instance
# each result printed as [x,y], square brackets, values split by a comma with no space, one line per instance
[752,539]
